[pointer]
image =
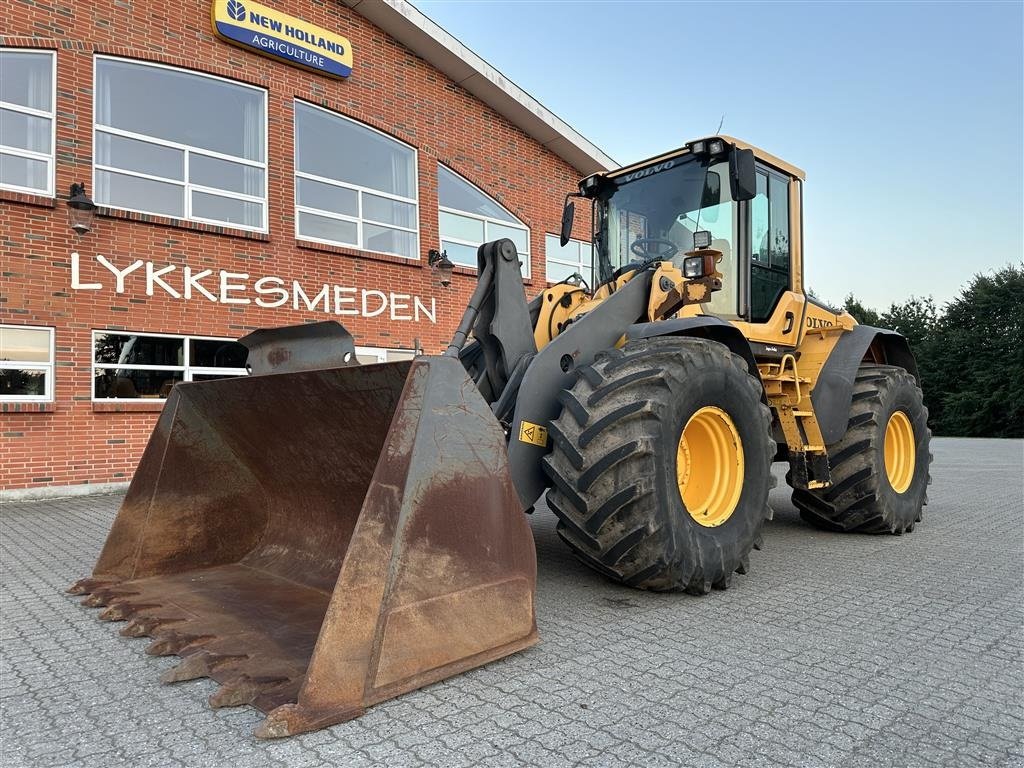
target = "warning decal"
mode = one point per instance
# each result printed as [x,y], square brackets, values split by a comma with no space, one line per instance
[534,434]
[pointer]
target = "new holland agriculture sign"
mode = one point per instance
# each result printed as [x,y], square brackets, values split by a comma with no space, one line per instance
[277,34]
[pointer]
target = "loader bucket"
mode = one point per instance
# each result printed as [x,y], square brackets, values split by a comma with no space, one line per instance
[322,540]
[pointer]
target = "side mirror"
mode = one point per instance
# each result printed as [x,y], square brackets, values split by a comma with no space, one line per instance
[568,214]
[742,176]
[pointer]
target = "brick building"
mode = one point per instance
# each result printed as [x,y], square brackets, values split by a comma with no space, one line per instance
[252,167]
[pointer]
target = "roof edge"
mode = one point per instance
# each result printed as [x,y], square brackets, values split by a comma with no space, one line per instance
[428,40]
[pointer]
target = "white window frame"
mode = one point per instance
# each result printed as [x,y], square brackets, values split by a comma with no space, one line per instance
[51,366]
[578,265]
[358,220]
[187,371]
[51,116]
[188,150]
[382,353]
[517,224]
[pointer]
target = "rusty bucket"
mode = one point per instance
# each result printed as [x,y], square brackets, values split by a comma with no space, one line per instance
[322,540]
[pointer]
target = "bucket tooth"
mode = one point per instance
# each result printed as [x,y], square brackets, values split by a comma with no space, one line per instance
[290,719]
[119,610]
[99,598]
[113,612]
[241,691]
[174,642]
[85,586]
[138,627]
[142,626]
[196,665]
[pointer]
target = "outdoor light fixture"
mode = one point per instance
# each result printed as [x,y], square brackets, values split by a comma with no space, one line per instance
[440,266]
[81,209]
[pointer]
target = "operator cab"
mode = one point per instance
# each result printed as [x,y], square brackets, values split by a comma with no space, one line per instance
[712,193]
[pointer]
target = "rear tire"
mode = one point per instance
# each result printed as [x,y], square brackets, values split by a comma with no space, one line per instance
[616,488]
[862,498]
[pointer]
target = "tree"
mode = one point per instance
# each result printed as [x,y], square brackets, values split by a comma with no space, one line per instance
[860,313]
[915,319]
[973,362]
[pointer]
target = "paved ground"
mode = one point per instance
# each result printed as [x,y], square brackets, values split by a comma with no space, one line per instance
[835,650]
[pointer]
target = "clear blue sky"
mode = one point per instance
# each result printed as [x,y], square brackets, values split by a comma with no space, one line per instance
[907,117]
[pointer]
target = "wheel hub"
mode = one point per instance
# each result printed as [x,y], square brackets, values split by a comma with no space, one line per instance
[900,451]
[709,466]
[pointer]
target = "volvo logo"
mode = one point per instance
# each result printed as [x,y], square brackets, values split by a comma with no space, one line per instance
[649,171]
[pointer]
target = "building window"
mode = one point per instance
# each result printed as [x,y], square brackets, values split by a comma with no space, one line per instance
[576,257]
[28,90]
[369,355]
[467,217]
[354,186]
[26,363]
[128,365]
[179,144]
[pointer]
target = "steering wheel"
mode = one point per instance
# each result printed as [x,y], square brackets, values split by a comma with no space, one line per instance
[641,250]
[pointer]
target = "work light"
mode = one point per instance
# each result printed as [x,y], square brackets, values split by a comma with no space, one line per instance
[695,267]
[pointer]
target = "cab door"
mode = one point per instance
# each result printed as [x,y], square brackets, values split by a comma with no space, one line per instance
[774,303]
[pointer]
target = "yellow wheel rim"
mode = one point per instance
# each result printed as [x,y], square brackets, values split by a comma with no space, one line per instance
[709,466]
[900,451]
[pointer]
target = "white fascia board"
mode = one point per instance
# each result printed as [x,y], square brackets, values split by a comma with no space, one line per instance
[403,22]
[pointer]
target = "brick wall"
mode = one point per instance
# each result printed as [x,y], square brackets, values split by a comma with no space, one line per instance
[73,440]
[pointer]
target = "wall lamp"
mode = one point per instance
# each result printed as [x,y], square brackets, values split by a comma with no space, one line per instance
[440,267]
[81,209]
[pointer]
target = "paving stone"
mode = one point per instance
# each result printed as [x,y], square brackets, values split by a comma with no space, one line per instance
[835,651]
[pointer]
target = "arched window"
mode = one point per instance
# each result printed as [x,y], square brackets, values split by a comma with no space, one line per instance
[468,217]
[354,185]
[181,144]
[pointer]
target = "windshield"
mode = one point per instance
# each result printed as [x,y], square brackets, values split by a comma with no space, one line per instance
[657,209]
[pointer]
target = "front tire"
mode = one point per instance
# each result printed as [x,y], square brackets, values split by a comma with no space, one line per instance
[636,442]
[880,466]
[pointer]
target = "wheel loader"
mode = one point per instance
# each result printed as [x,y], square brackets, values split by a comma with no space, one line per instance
[321,535]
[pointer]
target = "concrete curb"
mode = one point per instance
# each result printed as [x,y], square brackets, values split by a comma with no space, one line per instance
[60,491]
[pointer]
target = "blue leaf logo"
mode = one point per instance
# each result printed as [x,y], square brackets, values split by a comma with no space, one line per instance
[236,10]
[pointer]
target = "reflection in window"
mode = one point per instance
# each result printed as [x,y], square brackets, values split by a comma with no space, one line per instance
[354,186]
[26,120]
[467,217]
[715,216]
[26,363]
[770,246]
[180,144]
[561,263]
[128,365]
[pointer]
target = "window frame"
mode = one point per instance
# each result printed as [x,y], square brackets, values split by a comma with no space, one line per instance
[185,184]
[382,353]
[517,224]
[186,370]
[580,244]
[50,159]
[358,220]
[51,367]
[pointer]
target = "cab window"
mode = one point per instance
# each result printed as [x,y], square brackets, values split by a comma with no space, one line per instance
[770,245]
[716,215]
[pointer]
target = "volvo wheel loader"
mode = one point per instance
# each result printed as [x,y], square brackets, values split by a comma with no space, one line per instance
[323,535]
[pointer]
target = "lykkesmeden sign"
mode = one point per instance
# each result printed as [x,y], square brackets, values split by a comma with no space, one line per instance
[281,36]
[184,283]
